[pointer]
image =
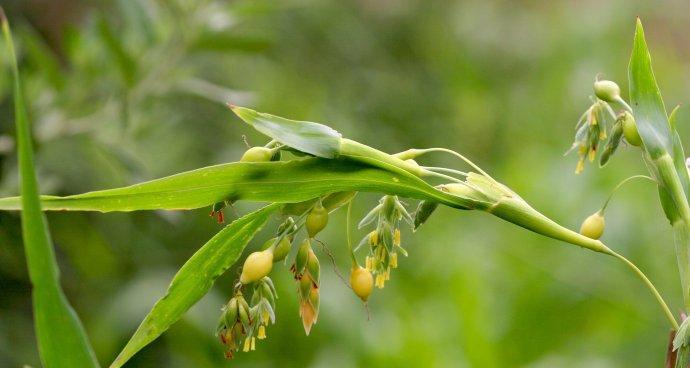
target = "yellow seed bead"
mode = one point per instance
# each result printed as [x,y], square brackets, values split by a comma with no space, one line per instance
[394,260]
[247,344]
[580,166]
[592,155]
[593,226]
[373,237]
[256,266]
[396,237]
[262,332]
[362,282]
[253,343]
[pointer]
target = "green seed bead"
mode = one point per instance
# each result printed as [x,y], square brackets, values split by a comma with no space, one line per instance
[316,220]
[607,90]
[257,154]
[630,132]
[282,249]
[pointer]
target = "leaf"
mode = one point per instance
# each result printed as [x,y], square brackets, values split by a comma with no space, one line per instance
[195,278]
[282,181]
[62,341]
[312,138]
[647,104]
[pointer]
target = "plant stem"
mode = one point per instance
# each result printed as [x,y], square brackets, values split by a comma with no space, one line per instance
[603,208]
[456,154]
[444,169]
[444,176]
[650,286]
[347,232]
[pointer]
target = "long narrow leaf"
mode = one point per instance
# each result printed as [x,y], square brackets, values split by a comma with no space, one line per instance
[285,182]
[195,279]
[647,104]
[62,341]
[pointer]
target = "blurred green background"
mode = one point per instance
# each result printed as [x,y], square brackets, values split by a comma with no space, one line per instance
[125,91]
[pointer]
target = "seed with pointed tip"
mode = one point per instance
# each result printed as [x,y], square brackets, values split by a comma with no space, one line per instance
[630,132]
[362,282]
[256,266]
[257,154]
[607,90]
[316,220]
[593,226]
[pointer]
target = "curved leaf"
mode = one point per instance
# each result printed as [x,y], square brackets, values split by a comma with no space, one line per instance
[280,181]
[195,278]
[306,136]
[62,341]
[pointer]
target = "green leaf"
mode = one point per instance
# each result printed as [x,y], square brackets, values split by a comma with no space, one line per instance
[647,104]
[312,138]
[663,148]
[281,181]
[195,278]
[62,341]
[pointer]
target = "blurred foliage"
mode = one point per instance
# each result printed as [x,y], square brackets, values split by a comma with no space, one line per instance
[124,91]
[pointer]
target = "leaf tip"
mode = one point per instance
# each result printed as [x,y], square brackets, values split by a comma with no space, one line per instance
[3,17]
[236,109]
[638,26]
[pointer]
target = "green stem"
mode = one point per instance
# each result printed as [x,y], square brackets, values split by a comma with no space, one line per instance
[625,105]
[349,238]
[650,286]
[419,152]
[603,208]
[444,169]
[674,188]
[443,176]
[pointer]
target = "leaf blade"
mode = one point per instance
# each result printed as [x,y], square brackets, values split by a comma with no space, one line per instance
[195,278]
[306,136]
[62,341]
[648,106]
[284,182]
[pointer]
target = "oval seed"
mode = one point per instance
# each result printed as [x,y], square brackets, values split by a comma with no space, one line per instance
[316,220]
[282,249]
[607,90]
[630,132]
[256,266]
[362,282]
[593,226]
[257,154]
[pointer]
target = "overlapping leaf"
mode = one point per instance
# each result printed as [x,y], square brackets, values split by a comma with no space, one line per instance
[284,182]
[195,278]
[313,138]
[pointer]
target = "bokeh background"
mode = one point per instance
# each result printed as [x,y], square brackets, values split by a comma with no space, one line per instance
[130,90]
